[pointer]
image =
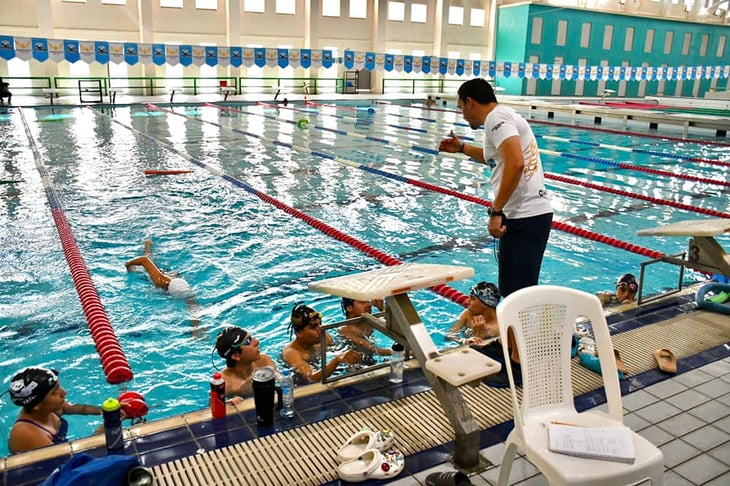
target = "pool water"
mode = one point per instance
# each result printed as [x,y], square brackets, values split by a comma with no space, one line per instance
[249,262]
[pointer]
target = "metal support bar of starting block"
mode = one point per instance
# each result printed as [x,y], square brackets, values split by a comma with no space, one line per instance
[406,326]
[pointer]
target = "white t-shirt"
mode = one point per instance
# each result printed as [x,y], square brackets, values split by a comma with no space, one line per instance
[530,198]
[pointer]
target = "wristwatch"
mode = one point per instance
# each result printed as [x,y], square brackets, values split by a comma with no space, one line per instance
[493,212]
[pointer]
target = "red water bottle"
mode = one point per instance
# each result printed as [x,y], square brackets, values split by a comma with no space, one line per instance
[218,396]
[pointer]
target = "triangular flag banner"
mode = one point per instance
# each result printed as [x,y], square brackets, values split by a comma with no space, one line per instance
[55,50]
[101,52]
[116,52]
[236,56]
[158,54]
[86,51]
[7,47]
[144,53]
[198,55]
[71,50]
[131,55]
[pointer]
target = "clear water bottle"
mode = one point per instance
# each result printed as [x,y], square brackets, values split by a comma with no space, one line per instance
[396,363]
[111,409]
[287,394]
[218,396]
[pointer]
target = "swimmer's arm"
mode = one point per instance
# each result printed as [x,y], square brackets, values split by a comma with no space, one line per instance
[362,342]
[453,332]
[79,409]
[294,359]
[26,437]
[159,278]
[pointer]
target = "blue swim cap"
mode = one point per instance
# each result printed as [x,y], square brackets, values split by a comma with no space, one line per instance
[487,293]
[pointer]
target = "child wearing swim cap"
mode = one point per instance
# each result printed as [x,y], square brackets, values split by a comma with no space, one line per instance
[626,288]
[479,320]
[40,422]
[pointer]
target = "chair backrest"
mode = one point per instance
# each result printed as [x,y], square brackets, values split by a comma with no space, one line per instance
[543,320]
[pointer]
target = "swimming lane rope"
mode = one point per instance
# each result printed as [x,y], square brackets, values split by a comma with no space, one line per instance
[636,150]
[617,132]
[443,290]
[431,187]
[622,165]
[567,180]
[114,362]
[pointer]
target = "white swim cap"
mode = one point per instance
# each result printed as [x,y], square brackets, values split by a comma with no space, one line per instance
[178,287]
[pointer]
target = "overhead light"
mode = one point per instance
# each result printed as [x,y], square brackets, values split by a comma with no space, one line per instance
[622,2]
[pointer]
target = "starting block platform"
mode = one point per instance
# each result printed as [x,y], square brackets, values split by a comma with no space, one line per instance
[444,371]
[704,252]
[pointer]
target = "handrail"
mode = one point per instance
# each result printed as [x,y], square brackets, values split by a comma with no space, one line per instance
[31,86]
[414,83]
[252,83]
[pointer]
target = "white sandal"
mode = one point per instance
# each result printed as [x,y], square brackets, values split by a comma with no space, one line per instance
[372,464]
[366,439]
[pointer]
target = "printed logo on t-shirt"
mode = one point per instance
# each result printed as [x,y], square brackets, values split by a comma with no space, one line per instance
[531,161]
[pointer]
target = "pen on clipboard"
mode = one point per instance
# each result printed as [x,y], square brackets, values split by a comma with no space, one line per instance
[556,422]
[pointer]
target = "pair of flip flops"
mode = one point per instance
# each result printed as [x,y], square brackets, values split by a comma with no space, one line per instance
[666,360]
[369,454]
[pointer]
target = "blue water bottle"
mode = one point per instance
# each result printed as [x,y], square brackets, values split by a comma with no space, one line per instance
[111,409]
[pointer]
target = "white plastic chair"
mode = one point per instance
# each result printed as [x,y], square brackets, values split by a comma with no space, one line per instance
[543,319]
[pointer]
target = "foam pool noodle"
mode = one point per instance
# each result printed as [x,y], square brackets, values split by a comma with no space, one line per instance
[719,298]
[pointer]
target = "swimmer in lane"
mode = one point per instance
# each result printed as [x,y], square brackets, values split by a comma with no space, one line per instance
[172,283]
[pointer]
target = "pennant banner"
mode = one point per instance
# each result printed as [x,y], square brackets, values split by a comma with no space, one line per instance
[198,55]
[101,52]
[116,52]
[7,47]
[211,55]
[71,50]
[86,51]
[130,53]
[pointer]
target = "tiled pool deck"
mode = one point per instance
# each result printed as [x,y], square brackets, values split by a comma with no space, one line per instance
[686,415]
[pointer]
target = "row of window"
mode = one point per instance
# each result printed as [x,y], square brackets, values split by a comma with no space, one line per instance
[585,35]
[331,8]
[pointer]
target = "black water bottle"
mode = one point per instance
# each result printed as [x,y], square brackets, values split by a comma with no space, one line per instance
[112,412]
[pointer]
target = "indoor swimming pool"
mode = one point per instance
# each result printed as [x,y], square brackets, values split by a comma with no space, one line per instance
[278,197]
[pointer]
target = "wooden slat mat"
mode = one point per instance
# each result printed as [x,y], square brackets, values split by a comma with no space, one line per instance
[307,455]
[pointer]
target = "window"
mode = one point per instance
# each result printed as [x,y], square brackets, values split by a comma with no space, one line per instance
[536,37]
[113,2]
[585,35]
[668,39]
[562,32]
[419,13]
[171,3]
[629,40]
[453,54]
[418,53]
[358,9]
[396,11]
[253,6]
[705,39]
[75,1]
[649,41]
[477,17]
[721,46]
[456,15]
[330,8]
[286,7]
[687,42]
[206,4]
[607,37]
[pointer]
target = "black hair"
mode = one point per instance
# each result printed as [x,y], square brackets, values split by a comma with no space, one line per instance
[346,302]
[301,315]
[479,90]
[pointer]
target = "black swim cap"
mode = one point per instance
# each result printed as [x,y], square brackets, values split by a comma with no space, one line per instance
[30,386]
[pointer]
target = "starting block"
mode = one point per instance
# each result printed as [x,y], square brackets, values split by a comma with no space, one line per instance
[704,253]
[445,371]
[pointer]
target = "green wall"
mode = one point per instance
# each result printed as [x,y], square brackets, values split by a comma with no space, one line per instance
[513,43]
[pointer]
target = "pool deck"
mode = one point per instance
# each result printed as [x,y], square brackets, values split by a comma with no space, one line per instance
[686,415]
